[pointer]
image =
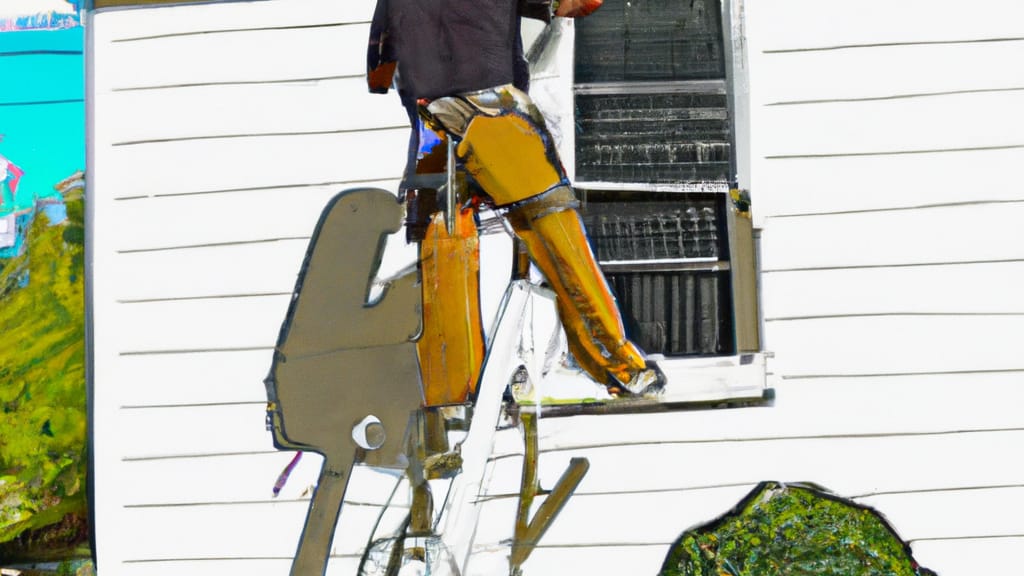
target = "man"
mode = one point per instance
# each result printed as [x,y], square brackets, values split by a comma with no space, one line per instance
[459,69]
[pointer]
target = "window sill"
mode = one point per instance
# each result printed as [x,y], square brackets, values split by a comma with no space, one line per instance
[716,378]
[542,382]
[693,384]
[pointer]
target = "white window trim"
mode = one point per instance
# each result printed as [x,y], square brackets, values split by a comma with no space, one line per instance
[739,377]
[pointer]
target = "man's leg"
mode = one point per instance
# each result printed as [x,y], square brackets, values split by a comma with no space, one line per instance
[451,346]
[507,149]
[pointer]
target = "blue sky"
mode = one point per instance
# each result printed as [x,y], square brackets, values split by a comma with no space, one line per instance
[15,8]
[42,112]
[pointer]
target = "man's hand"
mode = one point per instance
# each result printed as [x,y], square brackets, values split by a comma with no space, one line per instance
[576,8]
[379,79]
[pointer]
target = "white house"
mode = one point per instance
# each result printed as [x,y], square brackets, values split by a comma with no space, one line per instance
[879,142]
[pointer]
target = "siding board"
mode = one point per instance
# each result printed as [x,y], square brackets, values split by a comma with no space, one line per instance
[945,234]
[941,123]
[895,345]
[968,556]
[806,24]
[227,531]
[204,111]
[167,222]
[194,431]
[984,288]
[226,323]
[258,566]
[620,519]
[246,479]
[245,56]
[800,186]
[600,559]
[188,379]
[256,162]
[983,512]
[851,467]
[888,72]
[208,271]
[140,23]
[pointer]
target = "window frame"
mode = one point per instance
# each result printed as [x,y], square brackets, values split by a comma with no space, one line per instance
[742,374]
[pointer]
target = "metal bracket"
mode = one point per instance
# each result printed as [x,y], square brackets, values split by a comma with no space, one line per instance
[529,531]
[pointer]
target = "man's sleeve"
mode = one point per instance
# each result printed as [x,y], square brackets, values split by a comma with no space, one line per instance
[380,58]
[536,9]
[576,8]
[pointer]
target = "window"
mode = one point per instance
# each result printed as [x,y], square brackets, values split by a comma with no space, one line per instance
[655,149]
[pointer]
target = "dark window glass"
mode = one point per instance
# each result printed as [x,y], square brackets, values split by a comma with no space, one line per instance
[676,313]
[644,40]
[638,230]
[663,138]
[652,108]
[665,257]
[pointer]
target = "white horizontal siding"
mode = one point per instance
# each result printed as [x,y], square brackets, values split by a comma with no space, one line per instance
[881,137]
[837,105]
[806,24]
[971,555]
[249,55]
[979,288]
[222,129]
[230,110]
[340,565]
[691,453]
[196,378]
[950,514]
[602,559]
[935,235]
[656,475]
[900,344]
[194,430]
[207,324]
[228,164]
[212,270]
[262,566]
[248,479]
[912,72]
[219,16]
[797,186]
[233,530]
[220,132]
[950,122]
[228,218]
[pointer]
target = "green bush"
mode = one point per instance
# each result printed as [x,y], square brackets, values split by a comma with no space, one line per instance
[42,380]
[793,530]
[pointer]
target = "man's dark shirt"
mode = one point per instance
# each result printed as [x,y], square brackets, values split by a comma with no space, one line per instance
[446,47]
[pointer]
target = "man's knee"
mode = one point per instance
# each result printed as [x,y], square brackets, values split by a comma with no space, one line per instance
[504,144]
